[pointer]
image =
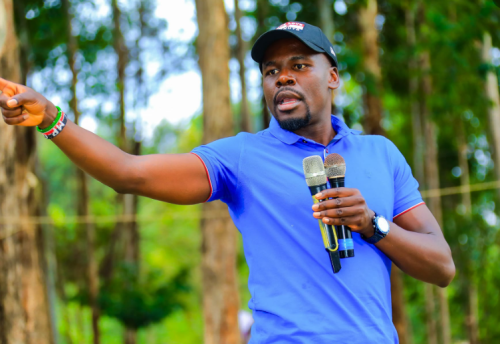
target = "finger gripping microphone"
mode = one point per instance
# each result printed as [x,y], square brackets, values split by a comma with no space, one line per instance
[317,182]
[335,171]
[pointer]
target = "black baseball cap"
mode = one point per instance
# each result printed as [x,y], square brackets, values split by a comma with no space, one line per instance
[310,35]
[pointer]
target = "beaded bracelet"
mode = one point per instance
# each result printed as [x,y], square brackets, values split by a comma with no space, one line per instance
[56,127]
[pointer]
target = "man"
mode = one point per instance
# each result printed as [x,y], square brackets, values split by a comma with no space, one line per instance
[295,296]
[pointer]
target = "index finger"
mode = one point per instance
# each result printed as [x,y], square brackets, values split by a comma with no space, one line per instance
[336,192]
[3,84]
[8,88]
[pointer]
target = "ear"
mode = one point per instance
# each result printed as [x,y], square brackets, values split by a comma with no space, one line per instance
[333,78]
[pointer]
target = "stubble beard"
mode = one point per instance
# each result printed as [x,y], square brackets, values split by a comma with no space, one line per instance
[294,124]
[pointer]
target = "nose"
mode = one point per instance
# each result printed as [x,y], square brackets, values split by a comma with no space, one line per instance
[285,80]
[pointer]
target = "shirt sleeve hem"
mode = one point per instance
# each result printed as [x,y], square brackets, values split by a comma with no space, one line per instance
[208,176]
[407,210]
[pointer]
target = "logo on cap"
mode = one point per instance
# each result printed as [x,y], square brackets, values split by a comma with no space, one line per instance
[333,52]
[291,26]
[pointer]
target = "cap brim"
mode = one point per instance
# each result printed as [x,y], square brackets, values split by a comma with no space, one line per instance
[268,38]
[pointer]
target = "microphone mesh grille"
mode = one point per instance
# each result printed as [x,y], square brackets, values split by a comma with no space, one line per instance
[334,165]
[314,165]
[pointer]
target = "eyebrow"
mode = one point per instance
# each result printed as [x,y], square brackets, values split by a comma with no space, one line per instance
[268,63]
[299,57]
[293,58]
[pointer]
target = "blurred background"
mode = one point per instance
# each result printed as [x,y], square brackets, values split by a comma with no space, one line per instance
[81,264]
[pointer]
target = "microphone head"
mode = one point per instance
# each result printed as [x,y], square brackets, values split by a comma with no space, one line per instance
[314,170]
[334,166]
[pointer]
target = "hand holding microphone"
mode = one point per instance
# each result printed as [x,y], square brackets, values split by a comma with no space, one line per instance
[348,208]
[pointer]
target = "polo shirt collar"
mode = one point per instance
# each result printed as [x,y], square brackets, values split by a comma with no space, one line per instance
[290,138]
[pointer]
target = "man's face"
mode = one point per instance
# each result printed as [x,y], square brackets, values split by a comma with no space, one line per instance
[297,83]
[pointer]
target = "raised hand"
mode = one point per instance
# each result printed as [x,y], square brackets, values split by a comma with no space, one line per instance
[23,106]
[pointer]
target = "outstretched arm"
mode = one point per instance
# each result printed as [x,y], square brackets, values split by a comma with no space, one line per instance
[174,178]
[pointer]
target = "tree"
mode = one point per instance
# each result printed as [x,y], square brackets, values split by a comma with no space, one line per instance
[241,49]
[83,201]
[220,293]
[493,97]
[373,74]
[24,314]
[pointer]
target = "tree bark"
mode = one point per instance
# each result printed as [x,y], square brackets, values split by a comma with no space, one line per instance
[373,74]
[413,86]
[245,122]
[472,318]
[24,306]
[262,12]
[399,317]
[491,88]
[432,182]
[220,291]
[83,201]
[126,231]
[327,25]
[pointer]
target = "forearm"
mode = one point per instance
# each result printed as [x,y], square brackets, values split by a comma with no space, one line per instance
[96,156]
[424,256]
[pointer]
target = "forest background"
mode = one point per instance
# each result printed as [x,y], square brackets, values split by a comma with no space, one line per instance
[80,263]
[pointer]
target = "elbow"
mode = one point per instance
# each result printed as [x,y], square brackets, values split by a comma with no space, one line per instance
[447,275]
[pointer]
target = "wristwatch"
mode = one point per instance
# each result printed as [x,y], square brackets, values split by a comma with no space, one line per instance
[381,227]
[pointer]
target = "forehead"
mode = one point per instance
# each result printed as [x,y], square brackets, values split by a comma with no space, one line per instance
[286,48]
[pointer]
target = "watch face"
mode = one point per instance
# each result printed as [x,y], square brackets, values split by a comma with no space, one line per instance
[383,225]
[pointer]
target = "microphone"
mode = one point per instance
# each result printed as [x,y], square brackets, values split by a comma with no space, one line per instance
[335,171]
[314,172]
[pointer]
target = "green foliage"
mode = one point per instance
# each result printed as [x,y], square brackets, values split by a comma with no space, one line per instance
[155,299]
[136,302]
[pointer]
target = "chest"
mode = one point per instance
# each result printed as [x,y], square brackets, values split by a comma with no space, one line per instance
[274,177]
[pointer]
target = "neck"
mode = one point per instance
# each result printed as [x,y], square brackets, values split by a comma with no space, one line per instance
[320,131]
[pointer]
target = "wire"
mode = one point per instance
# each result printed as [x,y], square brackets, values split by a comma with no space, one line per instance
[127,218]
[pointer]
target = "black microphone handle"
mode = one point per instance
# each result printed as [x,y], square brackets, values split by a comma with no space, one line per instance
[332,250]
[346,244]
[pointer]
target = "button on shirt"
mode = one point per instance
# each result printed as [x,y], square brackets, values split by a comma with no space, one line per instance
[296,298]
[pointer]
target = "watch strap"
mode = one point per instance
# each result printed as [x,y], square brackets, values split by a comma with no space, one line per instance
[378,235]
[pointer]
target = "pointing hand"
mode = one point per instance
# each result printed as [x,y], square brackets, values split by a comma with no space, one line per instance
[24,107]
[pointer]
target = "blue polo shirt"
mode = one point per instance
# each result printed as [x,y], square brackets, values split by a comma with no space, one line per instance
[296,298]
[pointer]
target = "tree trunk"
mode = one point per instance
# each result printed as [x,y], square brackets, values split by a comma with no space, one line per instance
[127,230]
[399,317]
[24,306]
[220,291]
[430,311]
[83,194]
[472,318]
[491,87]
[432,182]
[262,13]
[327,25]
[418,138]
[373,74]
[245,115]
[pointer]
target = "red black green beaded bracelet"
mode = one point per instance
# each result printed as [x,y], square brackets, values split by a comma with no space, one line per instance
[56,127]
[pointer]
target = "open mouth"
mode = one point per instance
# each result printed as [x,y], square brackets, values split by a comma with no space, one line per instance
[286,101]
[287,104]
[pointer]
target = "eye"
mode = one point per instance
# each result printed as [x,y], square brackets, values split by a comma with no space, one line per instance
[300,66]
[271,72]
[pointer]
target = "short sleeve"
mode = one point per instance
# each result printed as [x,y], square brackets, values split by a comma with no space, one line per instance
[221,159]
[406,193]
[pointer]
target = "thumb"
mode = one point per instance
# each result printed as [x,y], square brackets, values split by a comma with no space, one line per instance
[18,100]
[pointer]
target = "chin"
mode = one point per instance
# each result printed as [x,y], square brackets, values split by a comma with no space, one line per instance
[291,121]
